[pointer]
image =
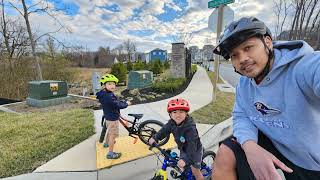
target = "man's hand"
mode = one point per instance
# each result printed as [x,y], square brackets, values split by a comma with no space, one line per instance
[262,162]
[181,163]
[129,103]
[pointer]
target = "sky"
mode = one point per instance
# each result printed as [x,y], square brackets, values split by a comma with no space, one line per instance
[149,24]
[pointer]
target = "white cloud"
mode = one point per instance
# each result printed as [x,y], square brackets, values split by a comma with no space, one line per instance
[96,26]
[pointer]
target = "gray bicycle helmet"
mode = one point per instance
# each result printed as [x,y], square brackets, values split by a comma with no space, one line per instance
[239,31]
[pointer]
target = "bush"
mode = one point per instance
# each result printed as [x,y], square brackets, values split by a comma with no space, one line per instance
[57,69]
[193,68]
[156,66]
[129,66]
[120,71]
[169,85]
[166,65]
[138,66]
[15,81]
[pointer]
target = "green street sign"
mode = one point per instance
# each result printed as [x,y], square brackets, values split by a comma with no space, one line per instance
[217,3]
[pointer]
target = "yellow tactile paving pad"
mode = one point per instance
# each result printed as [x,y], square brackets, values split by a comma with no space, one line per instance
[129,151]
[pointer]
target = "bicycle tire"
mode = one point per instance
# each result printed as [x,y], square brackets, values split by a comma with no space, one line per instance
[144,133]
[211,155]
[159,177]
[103,132]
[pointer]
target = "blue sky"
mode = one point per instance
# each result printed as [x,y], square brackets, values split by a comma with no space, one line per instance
[148,23]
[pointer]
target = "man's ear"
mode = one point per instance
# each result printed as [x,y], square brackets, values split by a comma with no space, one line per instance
[268,42]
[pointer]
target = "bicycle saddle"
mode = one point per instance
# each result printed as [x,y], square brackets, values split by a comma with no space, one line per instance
[137,116]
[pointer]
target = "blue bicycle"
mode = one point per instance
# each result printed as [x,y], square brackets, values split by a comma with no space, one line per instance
[171,160]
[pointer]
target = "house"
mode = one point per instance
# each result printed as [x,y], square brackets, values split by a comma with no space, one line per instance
[156,54]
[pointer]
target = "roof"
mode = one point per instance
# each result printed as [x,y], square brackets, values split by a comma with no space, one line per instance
[142,71]
[157,49]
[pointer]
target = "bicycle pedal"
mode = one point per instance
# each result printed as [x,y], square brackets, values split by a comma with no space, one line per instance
[135,140]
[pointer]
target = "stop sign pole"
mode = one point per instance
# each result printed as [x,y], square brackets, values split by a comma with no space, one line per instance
[217,4]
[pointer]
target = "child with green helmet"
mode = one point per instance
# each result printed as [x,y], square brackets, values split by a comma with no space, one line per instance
[111,109]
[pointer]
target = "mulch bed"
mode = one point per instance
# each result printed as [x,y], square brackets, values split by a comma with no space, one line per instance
[90,104]
[149,90]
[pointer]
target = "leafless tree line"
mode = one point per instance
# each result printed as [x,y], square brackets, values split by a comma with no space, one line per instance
[298,19]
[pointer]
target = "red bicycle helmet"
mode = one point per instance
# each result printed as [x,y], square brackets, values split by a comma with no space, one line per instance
[178,104]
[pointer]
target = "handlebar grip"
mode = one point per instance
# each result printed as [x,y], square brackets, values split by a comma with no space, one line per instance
[152,146]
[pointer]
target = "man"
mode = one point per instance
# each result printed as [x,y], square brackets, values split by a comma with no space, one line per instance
[276,116]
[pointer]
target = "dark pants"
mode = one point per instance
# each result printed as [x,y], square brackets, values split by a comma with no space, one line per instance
[243,169]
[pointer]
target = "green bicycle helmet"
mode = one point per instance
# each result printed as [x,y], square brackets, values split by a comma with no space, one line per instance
[108,78]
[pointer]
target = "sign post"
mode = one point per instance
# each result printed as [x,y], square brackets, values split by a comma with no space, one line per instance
[220,4]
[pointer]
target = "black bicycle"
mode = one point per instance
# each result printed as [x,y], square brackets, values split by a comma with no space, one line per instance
[144,130]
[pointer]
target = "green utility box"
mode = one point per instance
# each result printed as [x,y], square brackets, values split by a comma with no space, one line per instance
[47,89]
[47,93]
[139,79]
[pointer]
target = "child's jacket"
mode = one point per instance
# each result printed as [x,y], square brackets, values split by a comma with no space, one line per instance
[110,104]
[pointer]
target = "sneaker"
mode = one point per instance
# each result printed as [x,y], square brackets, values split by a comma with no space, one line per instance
[113,155]
[105,145]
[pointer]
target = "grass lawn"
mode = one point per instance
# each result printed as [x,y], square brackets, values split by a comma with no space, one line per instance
[30,140]
[218,111]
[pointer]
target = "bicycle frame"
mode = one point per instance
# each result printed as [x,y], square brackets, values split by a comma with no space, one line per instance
[133,129]
[172,162]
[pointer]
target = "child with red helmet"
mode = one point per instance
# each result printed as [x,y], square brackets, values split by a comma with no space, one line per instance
[185,133]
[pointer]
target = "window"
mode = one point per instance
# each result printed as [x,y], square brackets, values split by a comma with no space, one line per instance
[154,53]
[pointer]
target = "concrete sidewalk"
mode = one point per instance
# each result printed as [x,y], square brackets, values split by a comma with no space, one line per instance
[79,162]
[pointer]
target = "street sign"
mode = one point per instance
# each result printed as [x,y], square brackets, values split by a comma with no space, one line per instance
[228,16]
[217,3]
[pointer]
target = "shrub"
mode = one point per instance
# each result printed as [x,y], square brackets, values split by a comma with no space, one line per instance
[129,66]
[166,65]
[138,66]
[120,71]
[193,68]
[156,66]
[169,85]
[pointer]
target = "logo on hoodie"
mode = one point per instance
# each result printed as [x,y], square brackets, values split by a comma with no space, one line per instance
[182,139]
[265,110]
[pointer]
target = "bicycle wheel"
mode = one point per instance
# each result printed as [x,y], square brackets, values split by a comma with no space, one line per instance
[158,177]
[103,132]
[148,128]
[207,160]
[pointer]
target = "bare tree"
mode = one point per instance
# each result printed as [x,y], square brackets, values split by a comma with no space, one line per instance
[40,6]
[281,9]
[51,47]
[130,48]
[184,37]
[14,38]
[294,25]
[119,51]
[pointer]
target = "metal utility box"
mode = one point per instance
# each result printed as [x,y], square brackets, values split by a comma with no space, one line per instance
[140,79]
[47,89]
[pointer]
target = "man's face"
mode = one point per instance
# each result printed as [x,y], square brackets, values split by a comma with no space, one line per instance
[251,56]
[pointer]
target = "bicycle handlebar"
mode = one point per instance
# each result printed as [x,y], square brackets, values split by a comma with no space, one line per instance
[167,155]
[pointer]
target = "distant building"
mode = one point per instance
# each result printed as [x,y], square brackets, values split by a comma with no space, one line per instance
[195,54]
[156,54]
[140,56]
[207,52]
